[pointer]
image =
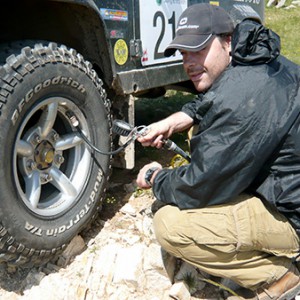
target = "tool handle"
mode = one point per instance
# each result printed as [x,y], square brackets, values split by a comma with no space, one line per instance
[170,145]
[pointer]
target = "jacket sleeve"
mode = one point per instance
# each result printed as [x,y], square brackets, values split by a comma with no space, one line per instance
[196,108]
[237,135]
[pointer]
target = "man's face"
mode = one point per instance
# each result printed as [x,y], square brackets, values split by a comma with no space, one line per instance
[205,66]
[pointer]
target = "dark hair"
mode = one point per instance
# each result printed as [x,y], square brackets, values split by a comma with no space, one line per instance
[224,36]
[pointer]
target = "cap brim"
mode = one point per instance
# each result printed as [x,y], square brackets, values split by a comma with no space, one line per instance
[186,42]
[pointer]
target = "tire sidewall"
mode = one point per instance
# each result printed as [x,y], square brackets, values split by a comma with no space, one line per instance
[26,227]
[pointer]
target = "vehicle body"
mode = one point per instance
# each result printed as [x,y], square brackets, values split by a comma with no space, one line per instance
[73,58]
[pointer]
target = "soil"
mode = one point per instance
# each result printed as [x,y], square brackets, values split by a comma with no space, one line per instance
[14,281]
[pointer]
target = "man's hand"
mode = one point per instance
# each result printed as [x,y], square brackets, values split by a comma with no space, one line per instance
[165,128]
[155,134]
[141,176]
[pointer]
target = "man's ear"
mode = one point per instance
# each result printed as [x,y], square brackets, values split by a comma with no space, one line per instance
[228,41]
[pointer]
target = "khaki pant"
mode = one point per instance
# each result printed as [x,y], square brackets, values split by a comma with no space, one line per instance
[242,240]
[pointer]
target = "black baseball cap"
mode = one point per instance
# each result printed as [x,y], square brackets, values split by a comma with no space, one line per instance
[197,25]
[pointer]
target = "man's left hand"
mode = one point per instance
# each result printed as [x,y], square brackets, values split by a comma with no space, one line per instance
[141,176]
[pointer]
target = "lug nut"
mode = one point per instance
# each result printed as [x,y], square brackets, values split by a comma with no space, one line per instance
[59,159]
[45,177]
[37,139]
[55,136]
[31,165]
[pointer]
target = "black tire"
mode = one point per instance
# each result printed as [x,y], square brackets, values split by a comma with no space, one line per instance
[50,181]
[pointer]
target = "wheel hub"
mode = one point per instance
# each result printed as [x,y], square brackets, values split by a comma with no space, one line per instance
[44,155]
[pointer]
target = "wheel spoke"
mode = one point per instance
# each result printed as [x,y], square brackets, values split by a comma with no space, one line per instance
[24,148]
[33,188]
[47,118]
[62,182]
[68,141]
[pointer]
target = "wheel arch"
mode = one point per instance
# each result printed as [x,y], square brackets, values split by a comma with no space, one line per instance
[76,24]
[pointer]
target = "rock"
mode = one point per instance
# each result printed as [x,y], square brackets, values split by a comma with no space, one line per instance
[33,278]
[132,239]
[170,263]
[180,291]
[9,296]
[128,265]
[281,3]
[130,187]
[128,209]
[75,247]
[272,3]
[189,275]
[154,269]
[122,260]
[103,269]
[290,7]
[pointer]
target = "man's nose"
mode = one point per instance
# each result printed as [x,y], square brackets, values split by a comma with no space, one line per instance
[189,59]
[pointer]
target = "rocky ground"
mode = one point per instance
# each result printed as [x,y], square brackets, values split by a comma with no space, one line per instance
[118,258]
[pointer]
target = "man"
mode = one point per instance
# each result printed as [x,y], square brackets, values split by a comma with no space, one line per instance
[234,210]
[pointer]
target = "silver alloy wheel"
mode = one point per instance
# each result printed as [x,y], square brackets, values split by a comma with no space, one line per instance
[51,162]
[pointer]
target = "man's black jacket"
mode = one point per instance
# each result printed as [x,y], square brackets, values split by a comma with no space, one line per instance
[249,136]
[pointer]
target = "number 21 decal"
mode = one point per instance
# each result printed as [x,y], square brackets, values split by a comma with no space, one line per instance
[171,21]
[158,27]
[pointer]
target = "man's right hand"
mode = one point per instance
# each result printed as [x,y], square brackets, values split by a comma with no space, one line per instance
[155,134]
[163,129]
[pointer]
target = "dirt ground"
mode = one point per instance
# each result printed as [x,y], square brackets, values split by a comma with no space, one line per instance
[13,281]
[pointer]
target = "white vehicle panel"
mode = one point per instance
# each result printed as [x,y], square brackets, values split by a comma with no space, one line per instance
[157,26]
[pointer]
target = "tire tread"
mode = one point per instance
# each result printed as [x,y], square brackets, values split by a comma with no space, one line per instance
[23,61]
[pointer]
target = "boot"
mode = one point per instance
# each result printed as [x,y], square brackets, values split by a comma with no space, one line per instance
[286,288]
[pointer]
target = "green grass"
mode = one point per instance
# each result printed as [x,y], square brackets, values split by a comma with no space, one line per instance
[286,24]
[151,110]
